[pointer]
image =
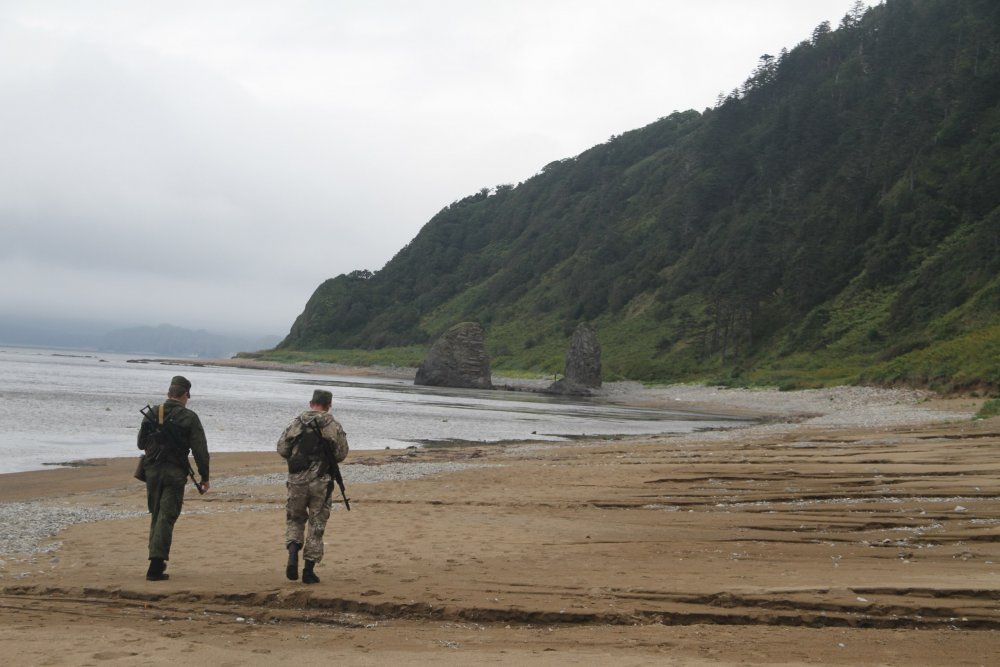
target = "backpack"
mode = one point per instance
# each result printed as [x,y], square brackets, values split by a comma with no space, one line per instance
[306,448]
[160,440]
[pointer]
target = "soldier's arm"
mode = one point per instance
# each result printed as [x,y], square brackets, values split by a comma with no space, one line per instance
[199,447]
[287,438]
[140,438]
[334,433]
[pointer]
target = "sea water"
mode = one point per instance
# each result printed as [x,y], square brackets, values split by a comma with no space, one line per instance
[59,407]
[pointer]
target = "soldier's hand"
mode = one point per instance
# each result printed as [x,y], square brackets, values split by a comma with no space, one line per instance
[204,487]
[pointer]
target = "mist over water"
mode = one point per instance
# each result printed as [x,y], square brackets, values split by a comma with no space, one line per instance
[61,406]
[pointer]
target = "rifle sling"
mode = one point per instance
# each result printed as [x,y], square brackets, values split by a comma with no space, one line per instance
[331,463]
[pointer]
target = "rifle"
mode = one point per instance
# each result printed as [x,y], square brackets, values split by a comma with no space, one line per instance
[331,462]
[147,413]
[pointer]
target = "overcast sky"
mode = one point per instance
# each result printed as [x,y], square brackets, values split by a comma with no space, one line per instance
[209,163]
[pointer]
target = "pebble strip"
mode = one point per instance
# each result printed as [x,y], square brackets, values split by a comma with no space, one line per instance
[25,527]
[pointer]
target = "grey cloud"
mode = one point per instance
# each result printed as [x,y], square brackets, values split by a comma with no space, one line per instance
[243,153]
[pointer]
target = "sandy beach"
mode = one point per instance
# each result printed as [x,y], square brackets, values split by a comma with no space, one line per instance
[849,526]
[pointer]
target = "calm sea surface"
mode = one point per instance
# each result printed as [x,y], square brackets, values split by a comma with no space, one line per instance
[61,406]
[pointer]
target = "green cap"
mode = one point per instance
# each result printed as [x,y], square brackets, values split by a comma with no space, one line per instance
[181,382]
[322,397]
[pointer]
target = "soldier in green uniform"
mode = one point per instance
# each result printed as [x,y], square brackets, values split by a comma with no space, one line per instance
[166,439]
[308,444]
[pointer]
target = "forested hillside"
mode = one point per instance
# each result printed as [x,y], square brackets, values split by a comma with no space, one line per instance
[834,219]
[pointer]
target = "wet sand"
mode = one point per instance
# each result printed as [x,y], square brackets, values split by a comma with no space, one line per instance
[861,532]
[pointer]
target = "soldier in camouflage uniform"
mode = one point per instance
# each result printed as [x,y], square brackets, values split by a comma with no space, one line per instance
[305,444]
[167,469]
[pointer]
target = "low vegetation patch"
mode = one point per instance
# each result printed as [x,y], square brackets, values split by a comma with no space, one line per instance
[990,408]
[410,356]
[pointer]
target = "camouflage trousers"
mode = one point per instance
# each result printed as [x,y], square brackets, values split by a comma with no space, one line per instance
[164,497]
[307,503]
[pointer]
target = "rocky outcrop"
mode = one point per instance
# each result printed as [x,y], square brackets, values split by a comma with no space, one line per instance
[457,359]
[583,364]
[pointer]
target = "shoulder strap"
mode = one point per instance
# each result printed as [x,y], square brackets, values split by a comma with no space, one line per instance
[316,427]
[161,413]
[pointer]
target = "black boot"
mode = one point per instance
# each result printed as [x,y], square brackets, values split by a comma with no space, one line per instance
[155,571]
[292,569]
[308,576]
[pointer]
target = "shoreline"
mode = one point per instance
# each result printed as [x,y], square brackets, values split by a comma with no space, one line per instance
[307,367]
[750,403]
[845,405]
[852,527]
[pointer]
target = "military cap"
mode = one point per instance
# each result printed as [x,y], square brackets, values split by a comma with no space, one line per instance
[181,382]
[322,397]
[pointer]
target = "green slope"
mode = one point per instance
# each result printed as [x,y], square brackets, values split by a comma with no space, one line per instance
[833,220]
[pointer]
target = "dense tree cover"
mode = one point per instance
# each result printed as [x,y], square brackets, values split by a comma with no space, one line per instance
[838,210]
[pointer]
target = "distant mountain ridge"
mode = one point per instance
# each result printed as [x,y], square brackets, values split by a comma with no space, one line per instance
[52,332]
[165,339]
[835,218]
[178,342]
